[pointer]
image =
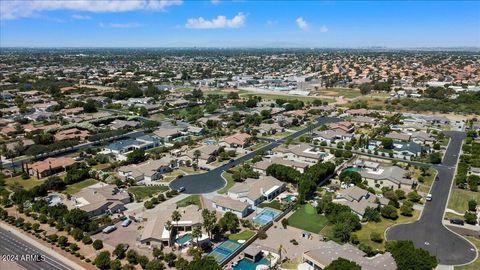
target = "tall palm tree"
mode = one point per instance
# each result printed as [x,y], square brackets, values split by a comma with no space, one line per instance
[280,250]
[196,233]
[169,227]
[176,216]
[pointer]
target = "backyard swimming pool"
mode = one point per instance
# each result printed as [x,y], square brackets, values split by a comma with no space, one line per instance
[245,264]
[225,249]
[352,169]
[267,215]
[184,239]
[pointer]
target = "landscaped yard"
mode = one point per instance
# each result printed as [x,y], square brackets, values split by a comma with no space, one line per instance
[475,265]
[459,199]
[142,192]
[74,188]
[380,227]
[257,146]
[306,218]
[428,178]
[101,166]
[192,199]
[273,204]
[26,184]
[245,235]
[228,177]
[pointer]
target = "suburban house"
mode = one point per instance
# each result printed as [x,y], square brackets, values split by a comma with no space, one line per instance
[101,199]
[358,112]
[262,166]
[358,199]
[398,136]
[406,149]
[424,138]
[71,133]
[239,140]
[121,148]
[301,152]
[168,134]
[391,177]
[327,252]
[156,234]
[342,126]
[208,153]
[331,136]
[255,191]
[50,166]
[146,172]
[265,128]
[225,204]
[364,121]
[123,124]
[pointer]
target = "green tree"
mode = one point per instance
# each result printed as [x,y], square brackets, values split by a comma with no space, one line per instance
[472,205]
[229,222]
[136,156]
[389,212]
[155,264]
[407,257]
[470,218]
[102,261]
[97,244]
[343,264]
[209,221]
[119,251]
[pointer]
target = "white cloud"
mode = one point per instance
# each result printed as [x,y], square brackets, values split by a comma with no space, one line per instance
[301,23]
[13,9]
[218,22]
[323,29]
[81,17]
[120,25]
[215,2]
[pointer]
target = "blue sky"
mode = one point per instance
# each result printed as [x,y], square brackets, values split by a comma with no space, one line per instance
[162,23]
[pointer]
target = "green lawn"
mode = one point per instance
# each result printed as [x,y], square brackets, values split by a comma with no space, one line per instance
[26,184]
[380,227]
[475,265]
[228,177]
[307,219]
[74,188]
[345,92]
[257,146]
[245,235]
[102,166]
[268,96]
[273,204]
[158,117]
[459,199]
[142,192]
[449,216]
[192,199]
[428,178]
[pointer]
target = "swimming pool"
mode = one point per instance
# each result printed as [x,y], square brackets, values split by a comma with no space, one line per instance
[184,239]
[245,264]
[267,215]
[352,169]
[290,198]
[225,249]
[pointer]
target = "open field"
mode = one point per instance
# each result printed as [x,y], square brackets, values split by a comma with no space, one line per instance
[380,227]
[459,199]
[26,184]
[337,92]
[142,192]
[192,199]
[306,218]
[74,188]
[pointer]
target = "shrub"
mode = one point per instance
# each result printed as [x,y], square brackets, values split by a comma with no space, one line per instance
[97,244]
[376,237]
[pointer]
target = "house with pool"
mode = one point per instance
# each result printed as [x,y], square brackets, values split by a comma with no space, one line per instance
[226,204]
[302,152]
[255,191]
[156,233]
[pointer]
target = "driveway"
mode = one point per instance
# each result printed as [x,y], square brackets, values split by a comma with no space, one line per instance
[212,180]
[428,232]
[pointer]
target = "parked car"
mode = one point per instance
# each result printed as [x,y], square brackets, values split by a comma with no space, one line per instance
[457,221]
[429,197]
[437,178]
[231,160]
[109,229]
[179,176]
[126,222]
[181,189]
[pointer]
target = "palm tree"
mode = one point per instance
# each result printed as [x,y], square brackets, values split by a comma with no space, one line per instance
[197,232]
[280,250]
[169,227]
[197,154]
[176,216]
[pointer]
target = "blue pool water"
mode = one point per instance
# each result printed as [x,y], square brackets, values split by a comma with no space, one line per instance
[245,264]
[184,239]
[266,216]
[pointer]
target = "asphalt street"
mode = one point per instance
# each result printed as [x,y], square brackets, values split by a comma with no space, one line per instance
[428,232]
[15,249]
[212,180]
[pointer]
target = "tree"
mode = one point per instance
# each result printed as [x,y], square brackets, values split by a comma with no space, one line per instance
[341,231]
[197,154]
[196,233]
[209,221]
[343,264]
[376,237]
[203,263]
[387,143]
[170,258]
[413,196]
[470,218]
[102,261]
[389,212]
[435,158]
[371,214]
[176,216]
[472,205]
[97,244]
[136,156]
[115,265]
[407,257]
[155,264]
[132,256]
[143,261]
[229,222]
[119,251]
[406,209]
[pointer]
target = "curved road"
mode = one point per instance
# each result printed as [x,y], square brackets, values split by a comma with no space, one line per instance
[429,232]
[212,180]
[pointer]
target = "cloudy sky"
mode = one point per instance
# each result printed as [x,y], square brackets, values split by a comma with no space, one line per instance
[218,23]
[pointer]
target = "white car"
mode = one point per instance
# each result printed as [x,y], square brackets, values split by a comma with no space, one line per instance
[429,197]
